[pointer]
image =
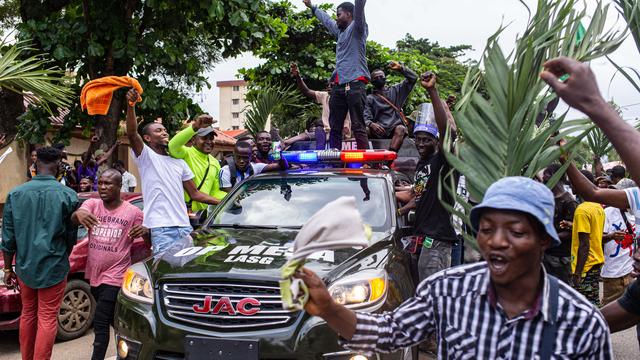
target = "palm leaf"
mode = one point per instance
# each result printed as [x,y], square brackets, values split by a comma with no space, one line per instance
[32,74]
[499,133]
[267,101]
[630,12]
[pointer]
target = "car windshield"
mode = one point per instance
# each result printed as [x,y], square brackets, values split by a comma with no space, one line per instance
[291,202]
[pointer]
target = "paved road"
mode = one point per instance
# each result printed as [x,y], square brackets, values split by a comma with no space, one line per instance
[624,344]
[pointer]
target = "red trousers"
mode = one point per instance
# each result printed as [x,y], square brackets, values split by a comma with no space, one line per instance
[39,320]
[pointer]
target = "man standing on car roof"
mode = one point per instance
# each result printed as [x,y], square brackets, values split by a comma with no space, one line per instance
[204,165]
[41,250]
[349,94]
[113,224]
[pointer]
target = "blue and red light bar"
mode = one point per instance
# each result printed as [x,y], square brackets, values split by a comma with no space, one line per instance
[328,156]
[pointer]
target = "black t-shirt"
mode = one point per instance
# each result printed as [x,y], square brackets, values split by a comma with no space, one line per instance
[630,300]
[565,208]
[432,219]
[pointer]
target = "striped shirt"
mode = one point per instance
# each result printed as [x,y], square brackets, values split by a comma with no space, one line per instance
[459,305]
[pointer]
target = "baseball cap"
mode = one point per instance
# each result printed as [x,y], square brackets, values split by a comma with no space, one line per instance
[428,128]
[520,194]
[206,131]
[625,183]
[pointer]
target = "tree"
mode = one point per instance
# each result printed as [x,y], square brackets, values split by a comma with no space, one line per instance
[167,45]
[309,45]
[266,102]
[498,135]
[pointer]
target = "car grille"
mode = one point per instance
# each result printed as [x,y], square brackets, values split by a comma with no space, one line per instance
[179,298]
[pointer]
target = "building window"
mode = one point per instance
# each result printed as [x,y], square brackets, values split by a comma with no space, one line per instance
[235,101]
[236,88]
[235,128]
[235,115]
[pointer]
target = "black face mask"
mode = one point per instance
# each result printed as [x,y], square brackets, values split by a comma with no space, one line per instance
[379,83]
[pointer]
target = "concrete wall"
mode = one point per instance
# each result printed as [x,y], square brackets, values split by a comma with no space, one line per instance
[227,108]
[13,170]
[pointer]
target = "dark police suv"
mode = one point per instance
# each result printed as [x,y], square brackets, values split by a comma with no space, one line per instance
[215,295]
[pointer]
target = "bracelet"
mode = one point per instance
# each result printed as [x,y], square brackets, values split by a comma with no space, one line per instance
[10,270]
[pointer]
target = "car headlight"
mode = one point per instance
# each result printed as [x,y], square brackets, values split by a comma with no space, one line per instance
[360,290]
[137,284]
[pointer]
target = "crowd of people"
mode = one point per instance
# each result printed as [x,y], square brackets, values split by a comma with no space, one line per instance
[544,251]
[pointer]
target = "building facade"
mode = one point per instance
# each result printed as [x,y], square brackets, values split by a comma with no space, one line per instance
[232,104]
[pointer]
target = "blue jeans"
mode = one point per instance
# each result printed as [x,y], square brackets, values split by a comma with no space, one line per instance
[163,237]
[457,249]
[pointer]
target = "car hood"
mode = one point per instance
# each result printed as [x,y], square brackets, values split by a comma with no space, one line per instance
[238,253]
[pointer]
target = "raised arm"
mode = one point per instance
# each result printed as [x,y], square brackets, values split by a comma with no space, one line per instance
[406,86]
[581,91]
[177,147]
[300,83]
[324,18]
[135,140]
[104,157]
[359,18]
[428,81]
[588,191]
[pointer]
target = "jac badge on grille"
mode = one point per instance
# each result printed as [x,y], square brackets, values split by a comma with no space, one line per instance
[246,306]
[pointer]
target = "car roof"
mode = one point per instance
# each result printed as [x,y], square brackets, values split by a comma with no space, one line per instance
[123,195]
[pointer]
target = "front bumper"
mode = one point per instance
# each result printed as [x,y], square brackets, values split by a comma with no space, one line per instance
[10,307]
[151,336]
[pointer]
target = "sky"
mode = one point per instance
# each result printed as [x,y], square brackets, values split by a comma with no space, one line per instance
[455,22]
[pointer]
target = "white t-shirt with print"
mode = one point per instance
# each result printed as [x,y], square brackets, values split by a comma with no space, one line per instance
[225,175]
[618,261]
[162,189]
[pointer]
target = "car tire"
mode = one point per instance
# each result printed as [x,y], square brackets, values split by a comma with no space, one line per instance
[76,311]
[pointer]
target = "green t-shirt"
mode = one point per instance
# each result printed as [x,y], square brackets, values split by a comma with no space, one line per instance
[198,163]
[37,228]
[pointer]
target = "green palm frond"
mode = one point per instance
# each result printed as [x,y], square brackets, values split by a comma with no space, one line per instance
[598,143]
[498,135]
[266,102]
[32,74]
[630,12]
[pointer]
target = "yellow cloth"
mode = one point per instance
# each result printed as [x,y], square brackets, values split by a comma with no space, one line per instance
[96,95]
[588,218]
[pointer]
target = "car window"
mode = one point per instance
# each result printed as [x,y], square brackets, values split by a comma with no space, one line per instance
[138,203]
[291,202]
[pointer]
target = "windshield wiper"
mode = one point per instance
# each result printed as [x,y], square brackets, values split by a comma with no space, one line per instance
[269,227]
[244,226]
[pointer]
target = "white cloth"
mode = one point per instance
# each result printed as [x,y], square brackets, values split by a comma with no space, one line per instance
[128,181]
[337,225]
[618,261]
[162,189]
[633,196]
[225,175]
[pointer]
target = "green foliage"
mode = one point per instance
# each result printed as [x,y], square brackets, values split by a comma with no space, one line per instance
[598,143]
[499,133]
[167,45]
[33,74]
[268,100]
[630,12]
[309,45]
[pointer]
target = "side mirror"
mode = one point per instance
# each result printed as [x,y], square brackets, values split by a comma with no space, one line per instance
[198,218]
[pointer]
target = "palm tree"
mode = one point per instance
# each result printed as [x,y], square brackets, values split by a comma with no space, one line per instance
[22,73]
[266,102]
[498,135]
